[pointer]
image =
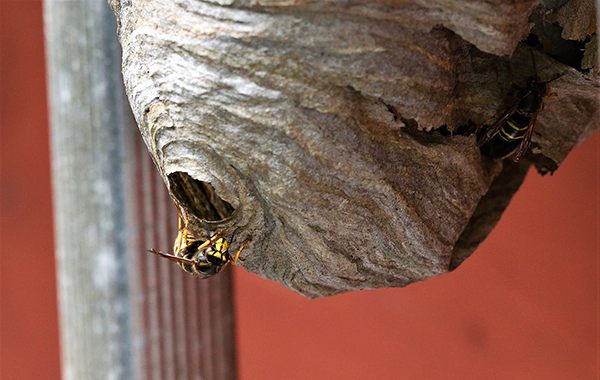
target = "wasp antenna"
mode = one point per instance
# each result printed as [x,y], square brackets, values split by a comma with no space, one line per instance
[233,234]
[534,67]
[553,79]
[170,257]
[205,224]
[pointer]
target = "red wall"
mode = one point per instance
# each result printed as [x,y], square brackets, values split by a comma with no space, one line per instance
[524,306]
[28,309]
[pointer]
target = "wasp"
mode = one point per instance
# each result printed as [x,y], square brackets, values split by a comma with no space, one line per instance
[512,131]
[202,258]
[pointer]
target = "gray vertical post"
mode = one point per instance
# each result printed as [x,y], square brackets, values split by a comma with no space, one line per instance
[87,142]
[124,313]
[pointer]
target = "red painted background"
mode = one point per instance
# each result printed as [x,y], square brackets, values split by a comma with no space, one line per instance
[524,306]
[28,309]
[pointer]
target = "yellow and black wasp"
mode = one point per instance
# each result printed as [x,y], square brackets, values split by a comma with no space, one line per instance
[202,258]
[512,131]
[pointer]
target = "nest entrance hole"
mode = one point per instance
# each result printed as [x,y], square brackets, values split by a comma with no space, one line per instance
[199,197]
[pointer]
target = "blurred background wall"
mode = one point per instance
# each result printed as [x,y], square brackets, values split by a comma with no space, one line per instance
[524,306]
[28,310]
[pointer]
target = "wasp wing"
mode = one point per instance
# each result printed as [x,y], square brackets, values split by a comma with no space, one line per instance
[491,131]
[524,145]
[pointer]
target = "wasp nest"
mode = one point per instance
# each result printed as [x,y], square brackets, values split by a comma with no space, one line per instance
[339,136]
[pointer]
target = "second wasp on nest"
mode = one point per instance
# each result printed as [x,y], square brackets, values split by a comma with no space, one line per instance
[512,131]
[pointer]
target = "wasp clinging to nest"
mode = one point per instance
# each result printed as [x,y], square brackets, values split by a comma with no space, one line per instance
[512,131]
[202,258]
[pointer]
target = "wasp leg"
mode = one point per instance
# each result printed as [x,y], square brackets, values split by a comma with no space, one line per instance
[210,241]
[179,215]
[187,219]
[183,236]
[546,97]
[237,255]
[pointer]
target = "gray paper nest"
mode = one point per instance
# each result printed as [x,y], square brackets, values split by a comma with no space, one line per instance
[329,133]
